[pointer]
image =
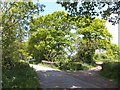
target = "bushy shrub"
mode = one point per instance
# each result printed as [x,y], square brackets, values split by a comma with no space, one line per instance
[64,63]
[19,76]
[111,70]
[74,66]
[104,57]
[86,66]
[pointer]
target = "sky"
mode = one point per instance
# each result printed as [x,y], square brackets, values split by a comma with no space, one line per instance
[52,6]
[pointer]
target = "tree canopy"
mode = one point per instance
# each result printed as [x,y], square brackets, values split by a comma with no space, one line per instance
[70,39]
[51,35]
[15,20]
[92,8]
[93,35]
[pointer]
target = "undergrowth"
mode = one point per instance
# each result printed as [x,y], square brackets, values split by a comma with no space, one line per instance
[21,75]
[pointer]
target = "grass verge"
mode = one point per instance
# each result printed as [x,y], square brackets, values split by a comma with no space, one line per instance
[74,66]
[19,76]
[49,65]
[111,70]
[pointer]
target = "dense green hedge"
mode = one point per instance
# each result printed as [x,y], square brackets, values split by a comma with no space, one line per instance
[111,70]
[73,66]
[19,76]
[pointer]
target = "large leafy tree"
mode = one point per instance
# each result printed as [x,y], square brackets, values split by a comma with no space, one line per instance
[40,44]
[93,35]
[115,50]
[108,10]
[58,37]
[15,19]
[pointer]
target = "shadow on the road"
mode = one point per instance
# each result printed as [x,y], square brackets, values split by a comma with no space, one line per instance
[57,79]
[94,78]
[83,79]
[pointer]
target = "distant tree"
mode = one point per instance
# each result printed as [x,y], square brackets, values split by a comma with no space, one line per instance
[93,35]
[115,51]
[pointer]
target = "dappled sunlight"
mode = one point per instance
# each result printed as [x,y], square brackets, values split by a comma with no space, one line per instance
[71,42]
[57,79]
[42,68]
[53,78]
[98,68]
[75,87]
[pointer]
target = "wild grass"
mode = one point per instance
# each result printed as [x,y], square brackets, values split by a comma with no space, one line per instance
[69,66]
[20,76]
[111,70]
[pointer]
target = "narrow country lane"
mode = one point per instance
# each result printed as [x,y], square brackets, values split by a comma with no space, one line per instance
[53,78]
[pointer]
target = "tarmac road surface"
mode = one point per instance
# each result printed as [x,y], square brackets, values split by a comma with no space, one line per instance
[53,78]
